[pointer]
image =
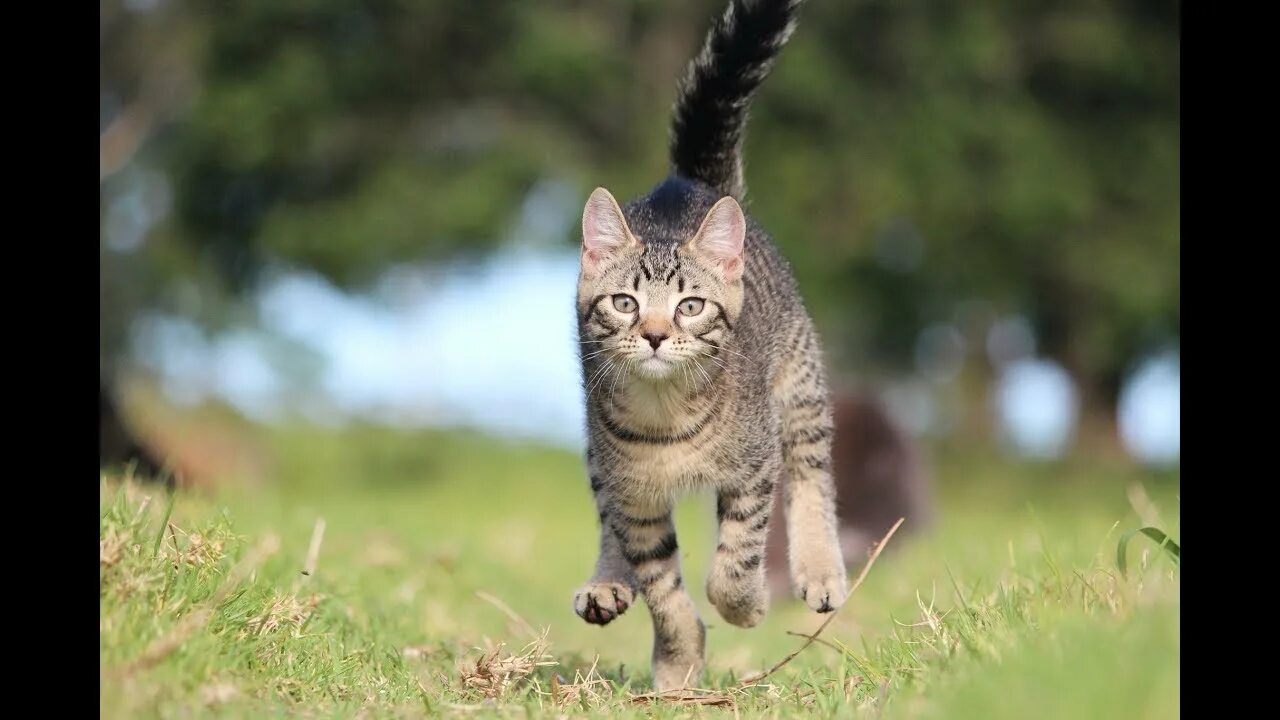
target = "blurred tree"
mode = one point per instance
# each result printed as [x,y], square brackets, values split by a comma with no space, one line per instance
[1014,157]
[912,158]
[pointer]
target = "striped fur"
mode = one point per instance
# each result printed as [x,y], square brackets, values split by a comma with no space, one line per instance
[710,116]
[702,371]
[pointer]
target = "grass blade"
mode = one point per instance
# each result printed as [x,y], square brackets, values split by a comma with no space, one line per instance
[1155,534]
[168,512]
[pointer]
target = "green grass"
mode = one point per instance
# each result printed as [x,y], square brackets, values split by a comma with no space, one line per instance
[1011,606]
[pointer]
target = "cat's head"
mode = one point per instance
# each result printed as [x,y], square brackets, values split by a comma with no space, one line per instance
[659,304]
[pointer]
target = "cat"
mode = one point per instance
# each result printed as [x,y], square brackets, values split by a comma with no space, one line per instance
[702,370]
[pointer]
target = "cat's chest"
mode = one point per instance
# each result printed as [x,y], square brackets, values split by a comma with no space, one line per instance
[672,467]
[673,445]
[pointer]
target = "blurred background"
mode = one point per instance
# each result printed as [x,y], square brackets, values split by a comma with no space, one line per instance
[341,215]
[338,251]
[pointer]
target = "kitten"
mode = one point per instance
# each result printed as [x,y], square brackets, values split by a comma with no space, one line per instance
[702,369]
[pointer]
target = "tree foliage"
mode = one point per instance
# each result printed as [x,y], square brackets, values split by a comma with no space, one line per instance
[916,160]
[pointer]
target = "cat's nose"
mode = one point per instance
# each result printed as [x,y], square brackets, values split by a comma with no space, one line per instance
[655,338]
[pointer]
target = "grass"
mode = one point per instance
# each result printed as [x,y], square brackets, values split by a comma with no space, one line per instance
[441,585]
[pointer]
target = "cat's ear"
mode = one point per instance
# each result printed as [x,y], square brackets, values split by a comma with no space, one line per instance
[721,237]
[604,230]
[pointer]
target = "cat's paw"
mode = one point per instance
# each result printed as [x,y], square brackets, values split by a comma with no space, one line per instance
[744,611]
[671,674]
[600,602]
[822,591]
[740,600]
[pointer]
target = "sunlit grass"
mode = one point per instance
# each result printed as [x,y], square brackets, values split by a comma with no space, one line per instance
[1010,607]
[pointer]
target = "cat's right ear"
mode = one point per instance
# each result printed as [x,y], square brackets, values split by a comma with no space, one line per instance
[604,231]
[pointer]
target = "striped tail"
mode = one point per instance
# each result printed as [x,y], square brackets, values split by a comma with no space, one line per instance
[710,117]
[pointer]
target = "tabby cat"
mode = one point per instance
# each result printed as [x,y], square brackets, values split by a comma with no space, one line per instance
[702,370]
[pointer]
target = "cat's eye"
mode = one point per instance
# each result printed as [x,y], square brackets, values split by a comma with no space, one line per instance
[691,306]
[624,303]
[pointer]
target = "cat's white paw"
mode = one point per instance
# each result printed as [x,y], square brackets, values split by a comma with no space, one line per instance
[822,591]
[599,603]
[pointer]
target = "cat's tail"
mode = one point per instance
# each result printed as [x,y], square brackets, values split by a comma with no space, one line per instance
[711,113]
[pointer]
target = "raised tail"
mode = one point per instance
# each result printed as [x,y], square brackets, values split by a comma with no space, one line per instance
[711,113]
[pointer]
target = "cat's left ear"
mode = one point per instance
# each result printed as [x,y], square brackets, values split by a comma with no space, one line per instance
[604,231]
[721,238]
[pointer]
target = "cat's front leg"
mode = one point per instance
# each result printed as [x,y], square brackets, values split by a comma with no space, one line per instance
[611,589]
[813,542]
[647,538]
[736,585]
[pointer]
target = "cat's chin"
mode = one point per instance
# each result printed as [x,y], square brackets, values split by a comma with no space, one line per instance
[655,368]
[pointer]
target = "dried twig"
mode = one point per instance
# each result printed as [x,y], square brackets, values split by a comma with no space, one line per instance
[820,641]
[313,552]
[811,638]
[687,696]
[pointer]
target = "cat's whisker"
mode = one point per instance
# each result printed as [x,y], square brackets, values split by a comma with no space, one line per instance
[719,363]
[613,371]
[613,388]
[702,371]
[723,348]
[600,374]
[710,355]
[598,370]
[686,374]
[706,374]
[590,355]
[721,366]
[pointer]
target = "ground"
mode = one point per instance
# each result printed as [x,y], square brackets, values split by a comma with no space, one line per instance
[442,580]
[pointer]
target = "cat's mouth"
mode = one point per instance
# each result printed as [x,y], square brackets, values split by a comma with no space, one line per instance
[655,367]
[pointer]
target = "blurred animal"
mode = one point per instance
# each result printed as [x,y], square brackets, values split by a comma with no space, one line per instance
[879,476]
[117,446]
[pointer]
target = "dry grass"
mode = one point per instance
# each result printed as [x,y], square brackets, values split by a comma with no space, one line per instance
[588,689]
[287,611]
[496,672]
[111,547]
